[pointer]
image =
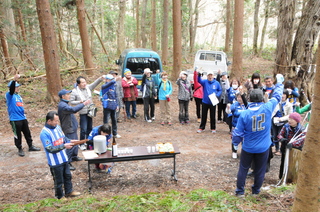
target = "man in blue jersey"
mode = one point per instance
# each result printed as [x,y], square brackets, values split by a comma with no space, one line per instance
[18,119]
[55,144]
[253,130]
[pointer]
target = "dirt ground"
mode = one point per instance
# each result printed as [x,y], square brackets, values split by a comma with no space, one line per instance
[205,160]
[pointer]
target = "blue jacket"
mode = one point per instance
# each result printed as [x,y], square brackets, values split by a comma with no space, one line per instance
[53,141]
[95,131]
[236,110]
[68,121]
[232,95]
[209,87]
[14,104]
[163,93]
[254,125]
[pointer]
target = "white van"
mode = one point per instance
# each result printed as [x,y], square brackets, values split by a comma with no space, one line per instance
[206,60]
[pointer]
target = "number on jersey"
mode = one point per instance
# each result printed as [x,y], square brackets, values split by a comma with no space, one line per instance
[257,121]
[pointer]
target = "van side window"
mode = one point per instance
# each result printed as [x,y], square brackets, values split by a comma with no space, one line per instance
[219,57]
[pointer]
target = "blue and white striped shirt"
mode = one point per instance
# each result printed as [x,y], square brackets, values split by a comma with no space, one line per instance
[53,140]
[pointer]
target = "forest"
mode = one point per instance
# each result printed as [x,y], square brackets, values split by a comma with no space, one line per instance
[50,40]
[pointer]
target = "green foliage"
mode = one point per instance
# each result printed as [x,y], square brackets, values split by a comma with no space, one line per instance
[197,200]
[284,189]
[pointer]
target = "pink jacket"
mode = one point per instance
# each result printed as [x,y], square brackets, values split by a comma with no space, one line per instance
[126,87]
[198,90]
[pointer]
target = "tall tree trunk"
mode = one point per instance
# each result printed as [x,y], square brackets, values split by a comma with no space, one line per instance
[265,24]
[143,24]
[228,21]
[284,37]
[23,29]
[121,42]
[102,20]
[306,196]
[238,40]
[50,50]
[153,26]
[303,44]
[177,48]
[256,27]
[87,55]
[165,26]
[5,50]
[194,17]
[138,38]
[94,14]
[9,26]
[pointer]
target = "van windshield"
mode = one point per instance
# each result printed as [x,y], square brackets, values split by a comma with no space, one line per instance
[210,56]
[138,64]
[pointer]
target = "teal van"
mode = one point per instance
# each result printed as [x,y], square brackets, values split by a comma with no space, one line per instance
[137,60]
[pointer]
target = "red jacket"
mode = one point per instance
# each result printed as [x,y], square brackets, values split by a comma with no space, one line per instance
[126,87]
[198,90]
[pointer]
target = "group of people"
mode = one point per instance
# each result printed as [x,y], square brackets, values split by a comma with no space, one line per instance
[258,119]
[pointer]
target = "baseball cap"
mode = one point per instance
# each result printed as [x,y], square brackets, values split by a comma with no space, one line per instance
[17,84]
[113,72]
[224,73]
[147,70]
[209,72]
[63,92]
[256,95]
[183,72]
[109,76]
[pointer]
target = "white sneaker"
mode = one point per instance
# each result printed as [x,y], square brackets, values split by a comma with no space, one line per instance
[149,121]
[118,136]
[83,147]
[234,155]
[153,118]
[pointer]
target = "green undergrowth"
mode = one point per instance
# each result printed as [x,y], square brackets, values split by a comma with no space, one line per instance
[197,200]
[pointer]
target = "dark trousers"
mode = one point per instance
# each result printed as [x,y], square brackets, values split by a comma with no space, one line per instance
[134,108]
[198,106]
[222,111]
[275,130]
[148,102]
[17,128]
[205,108]
[62,179]
[112,113]
[73,152]
[183,110]
[260,162]
[283,156]
[85,126]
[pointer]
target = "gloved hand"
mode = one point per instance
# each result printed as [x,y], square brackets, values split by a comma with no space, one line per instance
[191,99]
[199,74]
[289,145]
[195,68]
[280,78]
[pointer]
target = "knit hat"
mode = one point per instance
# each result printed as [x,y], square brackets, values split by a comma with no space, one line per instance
[127,71]
[295,116]
[256,95]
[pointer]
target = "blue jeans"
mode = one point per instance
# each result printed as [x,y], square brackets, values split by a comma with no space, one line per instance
[134,108]
[112,114]
[62,178]
[85,126]
[260,163]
